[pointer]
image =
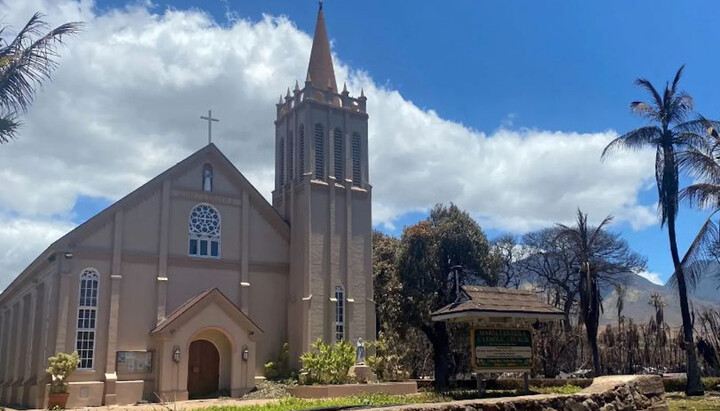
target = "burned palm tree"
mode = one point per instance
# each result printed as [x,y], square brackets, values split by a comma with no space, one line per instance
[584,238]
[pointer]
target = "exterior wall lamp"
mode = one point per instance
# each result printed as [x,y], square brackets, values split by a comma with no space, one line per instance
[176,354]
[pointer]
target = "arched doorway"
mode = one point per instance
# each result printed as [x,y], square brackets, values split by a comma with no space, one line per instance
[203,369]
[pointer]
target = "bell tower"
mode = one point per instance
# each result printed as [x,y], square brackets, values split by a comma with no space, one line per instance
[322,190]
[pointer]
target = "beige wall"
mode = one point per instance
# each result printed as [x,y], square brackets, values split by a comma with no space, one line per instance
[125,246]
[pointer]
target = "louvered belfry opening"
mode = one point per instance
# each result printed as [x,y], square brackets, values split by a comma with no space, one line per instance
[319,151]
[338,148]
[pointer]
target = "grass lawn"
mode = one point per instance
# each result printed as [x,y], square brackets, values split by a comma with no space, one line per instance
[678,402]
[376,400]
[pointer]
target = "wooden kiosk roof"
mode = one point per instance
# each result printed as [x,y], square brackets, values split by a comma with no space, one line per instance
[478,302]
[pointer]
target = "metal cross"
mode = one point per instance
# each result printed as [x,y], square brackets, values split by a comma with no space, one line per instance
[209,119]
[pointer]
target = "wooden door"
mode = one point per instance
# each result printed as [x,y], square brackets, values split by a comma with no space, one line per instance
[203,369]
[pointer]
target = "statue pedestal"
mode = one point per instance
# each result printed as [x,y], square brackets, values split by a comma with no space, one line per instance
[362,373]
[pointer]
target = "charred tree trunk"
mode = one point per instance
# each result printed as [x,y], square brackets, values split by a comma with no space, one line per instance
[694,384]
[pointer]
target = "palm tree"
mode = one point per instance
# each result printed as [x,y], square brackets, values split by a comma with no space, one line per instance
[702,161]
[25,62]
[671,133]
[584,240]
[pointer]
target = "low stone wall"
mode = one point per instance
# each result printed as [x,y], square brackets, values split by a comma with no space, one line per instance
[610,393]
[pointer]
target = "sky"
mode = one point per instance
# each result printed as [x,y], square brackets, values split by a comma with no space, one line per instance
[500,107]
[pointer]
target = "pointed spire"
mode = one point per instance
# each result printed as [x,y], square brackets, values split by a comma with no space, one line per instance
[280,101]
[362,92]
[288,93]
[345,91]
[297,87]
[320,70]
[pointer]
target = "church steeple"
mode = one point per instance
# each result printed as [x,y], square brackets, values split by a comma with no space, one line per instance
[320,69]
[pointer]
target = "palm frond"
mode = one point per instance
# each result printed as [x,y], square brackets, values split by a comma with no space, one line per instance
[599,229]
[702,195]
[638,139]
[8,129]
[644,109]
[27,62]
[647,85]
[695,261]
[676,80]
[700,125]
[700,162]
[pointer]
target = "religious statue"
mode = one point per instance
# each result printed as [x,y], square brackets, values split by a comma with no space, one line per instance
[360,353]
[207,179]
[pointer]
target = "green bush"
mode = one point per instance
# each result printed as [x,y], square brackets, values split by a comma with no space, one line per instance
[386,363]
[327,363]
[60,366]
[280,368]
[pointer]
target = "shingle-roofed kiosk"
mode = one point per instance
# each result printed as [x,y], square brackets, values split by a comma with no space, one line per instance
[500,320]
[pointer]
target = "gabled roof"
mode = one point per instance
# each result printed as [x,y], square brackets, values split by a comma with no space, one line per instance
[104,217]
[321,72]
[480,302]
[197,303]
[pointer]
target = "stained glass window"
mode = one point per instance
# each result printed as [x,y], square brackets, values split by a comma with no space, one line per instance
[204,232]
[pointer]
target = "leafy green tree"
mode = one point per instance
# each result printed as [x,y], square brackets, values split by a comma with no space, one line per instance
[670,133]
[25,62]
[428,249]
[388,289]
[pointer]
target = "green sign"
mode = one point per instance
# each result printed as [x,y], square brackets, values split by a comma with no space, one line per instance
[501,349]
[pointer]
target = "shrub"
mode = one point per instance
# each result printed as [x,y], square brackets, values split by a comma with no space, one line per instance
[280,368]
[60,366]
[327,363]
[386,363]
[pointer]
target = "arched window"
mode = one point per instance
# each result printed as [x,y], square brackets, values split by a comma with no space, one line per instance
[319,151]
[281,161]
[339,313]
[357,176]
[338,148]
[207,180]
[204,232]
[291,157]
[302,151]
[87,315]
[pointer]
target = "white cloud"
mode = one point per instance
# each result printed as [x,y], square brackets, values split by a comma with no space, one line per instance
[652,277]
[22,240]
[125,102]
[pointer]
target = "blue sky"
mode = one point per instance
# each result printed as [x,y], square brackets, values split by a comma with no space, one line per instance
[561,67]
[548,65]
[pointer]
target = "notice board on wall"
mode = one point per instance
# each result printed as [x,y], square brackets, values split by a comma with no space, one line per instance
[134,361]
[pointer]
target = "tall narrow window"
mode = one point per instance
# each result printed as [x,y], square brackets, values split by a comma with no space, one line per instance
[207,180]
[204,232]
[319,151]
[357,176]
[291,157]
[339,150]
[281,161]
[301,147]
[339,313]
[87,314]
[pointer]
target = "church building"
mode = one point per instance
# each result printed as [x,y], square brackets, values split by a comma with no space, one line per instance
[187,286]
